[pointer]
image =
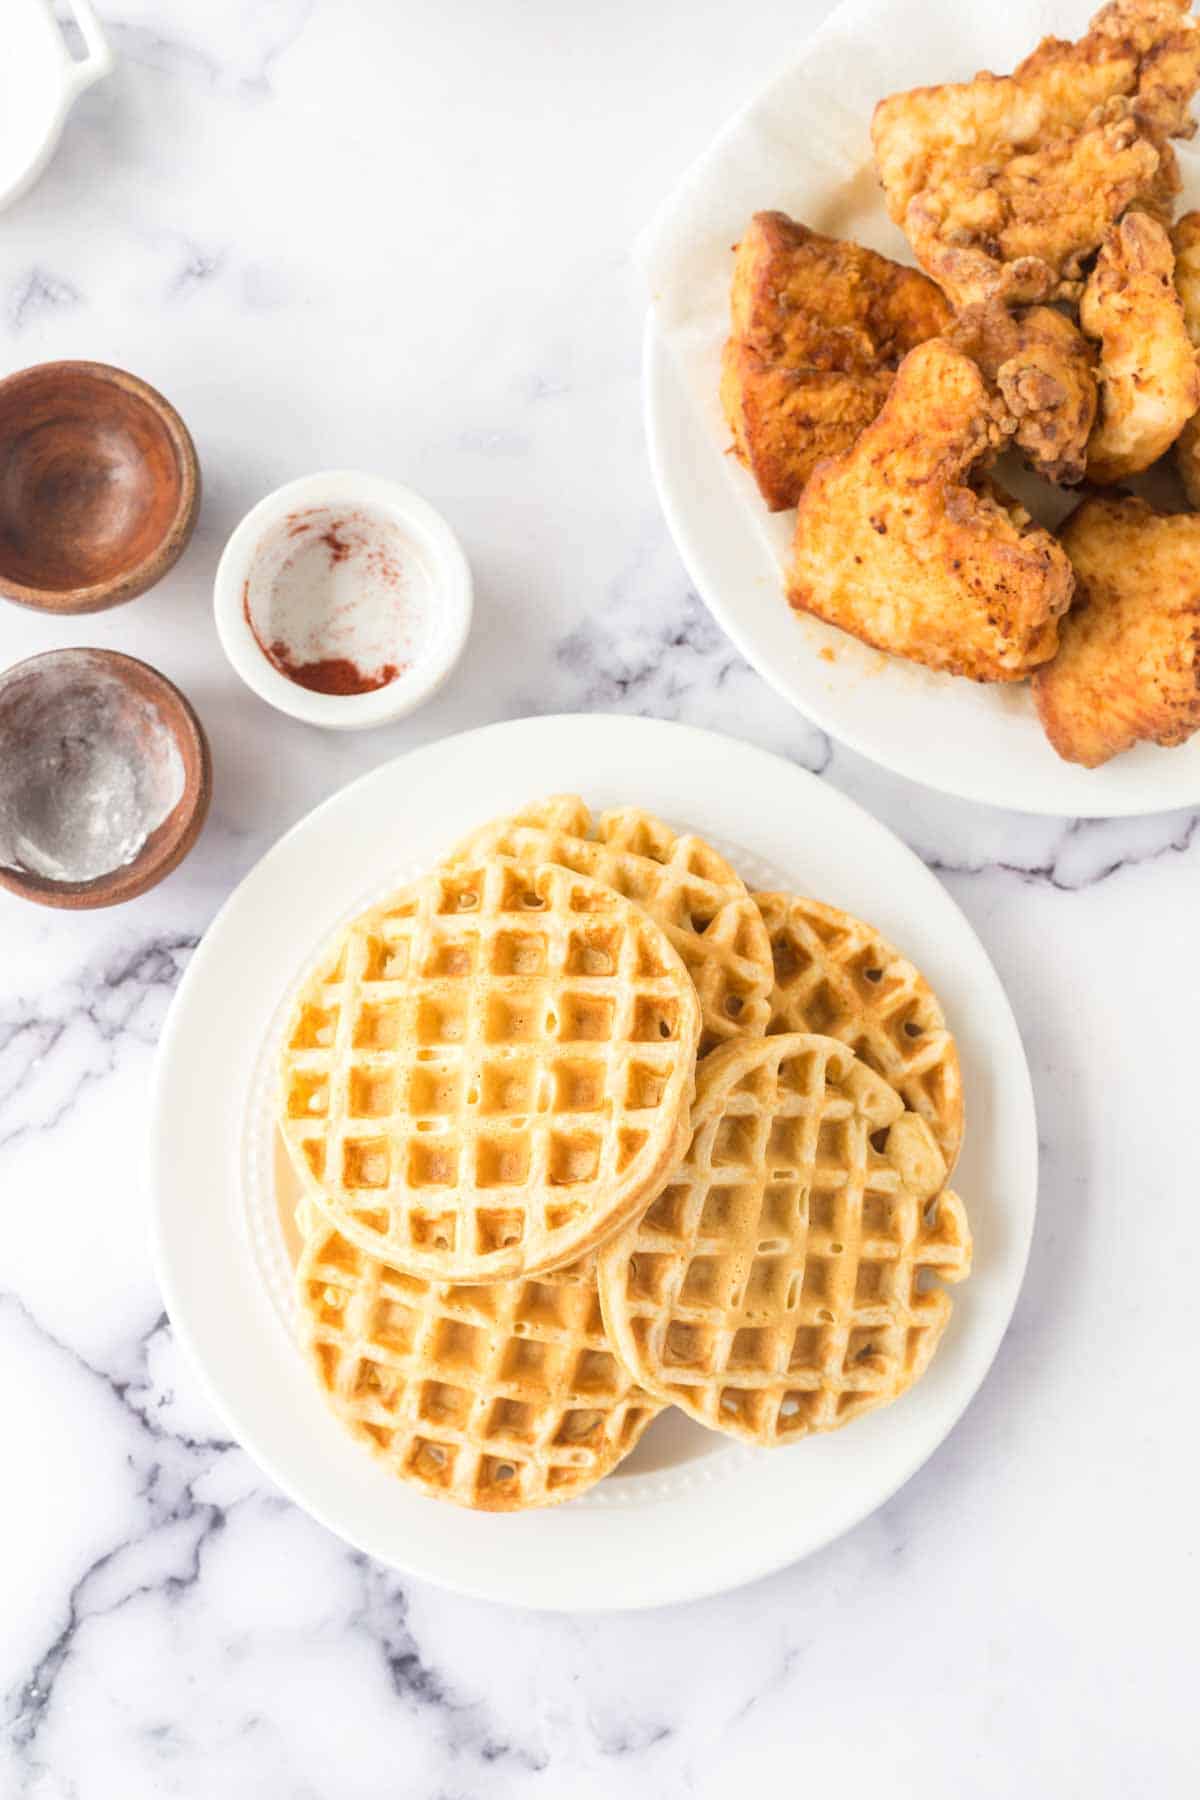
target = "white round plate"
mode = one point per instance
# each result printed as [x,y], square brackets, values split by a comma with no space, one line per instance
[689,1513]
[982,741]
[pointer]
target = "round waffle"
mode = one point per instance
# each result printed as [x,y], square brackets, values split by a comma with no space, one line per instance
[491,1071]
[837,976]
[682,882]
[502,1395]
[783,1282]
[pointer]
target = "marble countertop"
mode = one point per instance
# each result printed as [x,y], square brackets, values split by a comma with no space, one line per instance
[345,232]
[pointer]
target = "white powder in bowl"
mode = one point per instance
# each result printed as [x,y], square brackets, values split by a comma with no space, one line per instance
[88,769]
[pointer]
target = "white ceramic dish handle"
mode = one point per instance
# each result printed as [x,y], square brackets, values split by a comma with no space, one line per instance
[98,61]
[34,43]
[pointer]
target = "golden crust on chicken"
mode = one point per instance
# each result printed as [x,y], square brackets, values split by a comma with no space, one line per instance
[895,545]
[1149,381]
[1185,240]
[785,420]
[818,328]
[1045,372]
[1128,662]
[1005,185]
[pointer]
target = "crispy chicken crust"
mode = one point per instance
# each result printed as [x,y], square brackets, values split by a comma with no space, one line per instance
[1185,240]
[1006,184]
[1045,372]
[785,420]
[1128,664]
[1149,382]
[894,545]
[819,327]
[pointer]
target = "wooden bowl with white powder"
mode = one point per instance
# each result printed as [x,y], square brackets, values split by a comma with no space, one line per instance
[105,778]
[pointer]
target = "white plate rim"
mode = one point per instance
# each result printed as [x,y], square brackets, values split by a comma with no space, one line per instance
[545,1565]
[1144,780]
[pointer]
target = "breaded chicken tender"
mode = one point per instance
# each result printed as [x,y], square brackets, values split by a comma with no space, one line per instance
[1005,185]
[1185,240]
[785,420]
[1128,663]
[1045,372]
[1149,381]
[895,545]
[818,329]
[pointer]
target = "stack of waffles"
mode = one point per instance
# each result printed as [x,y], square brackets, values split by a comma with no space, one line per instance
[584,1129]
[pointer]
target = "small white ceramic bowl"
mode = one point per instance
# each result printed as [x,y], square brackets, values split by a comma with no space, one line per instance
[446,573]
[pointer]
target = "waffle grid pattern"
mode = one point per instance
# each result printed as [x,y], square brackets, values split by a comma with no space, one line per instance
[501,1396]
[837,976]
[491,1071]
[685,885]
[784,1281]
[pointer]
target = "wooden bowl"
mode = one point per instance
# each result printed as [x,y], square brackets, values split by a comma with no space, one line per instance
[36,698]
[99,486]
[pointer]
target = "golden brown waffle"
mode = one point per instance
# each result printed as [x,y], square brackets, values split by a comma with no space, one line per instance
[503,1395]
[691,891]
[491,1071]
[781,1283]
[837,976]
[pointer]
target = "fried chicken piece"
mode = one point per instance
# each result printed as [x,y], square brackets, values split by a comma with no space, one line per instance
[894,545]
[1006,184]
[1128,663]
[823,303]
[1045,373]
[818,329]
[1149,382]
[785,420]
[1185,240]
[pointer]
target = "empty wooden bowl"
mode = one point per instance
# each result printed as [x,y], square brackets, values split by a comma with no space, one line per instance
[99,486]
[105,778]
